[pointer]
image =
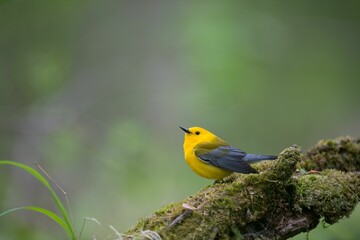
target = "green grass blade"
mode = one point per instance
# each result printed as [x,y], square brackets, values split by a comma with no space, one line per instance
[44,211]
[37,175]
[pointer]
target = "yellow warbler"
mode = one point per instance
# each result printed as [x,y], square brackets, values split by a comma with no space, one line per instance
[213,158]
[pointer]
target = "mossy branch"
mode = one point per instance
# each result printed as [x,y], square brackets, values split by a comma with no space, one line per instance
[283,200]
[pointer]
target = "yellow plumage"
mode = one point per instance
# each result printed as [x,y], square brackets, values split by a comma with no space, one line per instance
[199,167]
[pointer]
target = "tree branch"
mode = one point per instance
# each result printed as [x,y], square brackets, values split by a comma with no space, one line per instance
[283,200]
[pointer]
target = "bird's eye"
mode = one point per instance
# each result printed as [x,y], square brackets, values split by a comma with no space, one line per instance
[197,132]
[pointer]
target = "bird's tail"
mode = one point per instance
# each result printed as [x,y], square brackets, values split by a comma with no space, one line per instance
[253,158]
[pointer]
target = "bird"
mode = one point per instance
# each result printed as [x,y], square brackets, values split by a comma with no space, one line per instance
[211,157]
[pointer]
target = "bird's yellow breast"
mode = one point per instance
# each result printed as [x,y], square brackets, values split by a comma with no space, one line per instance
[201,168]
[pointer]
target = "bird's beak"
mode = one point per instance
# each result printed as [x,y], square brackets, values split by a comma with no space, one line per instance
[185,130]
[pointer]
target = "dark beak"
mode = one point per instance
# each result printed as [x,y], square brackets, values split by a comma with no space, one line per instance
[185,130]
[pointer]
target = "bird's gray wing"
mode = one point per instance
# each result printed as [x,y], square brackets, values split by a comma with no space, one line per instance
[225,157]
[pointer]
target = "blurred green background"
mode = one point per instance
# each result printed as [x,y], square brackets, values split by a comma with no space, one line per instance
[95,91]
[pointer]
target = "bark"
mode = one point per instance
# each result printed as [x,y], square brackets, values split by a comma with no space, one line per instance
[283,200]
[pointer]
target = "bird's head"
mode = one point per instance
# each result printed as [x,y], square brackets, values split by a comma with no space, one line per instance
[197,135]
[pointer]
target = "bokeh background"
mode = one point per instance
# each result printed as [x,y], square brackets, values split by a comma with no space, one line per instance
[94,91]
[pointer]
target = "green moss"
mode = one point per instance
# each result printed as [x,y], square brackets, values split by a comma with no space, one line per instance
[224,202]
[341,153]
[166,209]
[234,188]
[332,194]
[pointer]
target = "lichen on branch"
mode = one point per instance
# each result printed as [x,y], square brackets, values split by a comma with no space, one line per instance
[281,201]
